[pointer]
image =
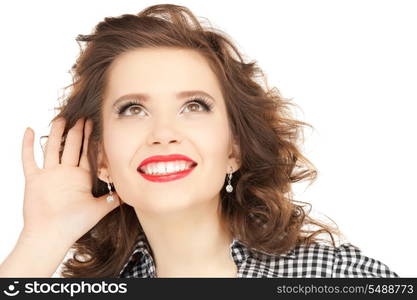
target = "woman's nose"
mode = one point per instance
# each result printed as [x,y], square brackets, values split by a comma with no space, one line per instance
[163,132]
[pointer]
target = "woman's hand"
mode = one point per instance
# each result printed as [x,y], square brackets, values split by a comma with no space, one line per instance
[58,201]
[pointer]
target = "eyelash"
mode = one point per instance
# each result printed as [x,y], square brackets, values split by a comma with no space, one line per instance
[207,106]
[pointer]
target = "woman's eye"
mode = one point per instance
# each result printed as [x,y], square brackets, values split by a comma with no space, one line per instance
[194,106]
[131,109]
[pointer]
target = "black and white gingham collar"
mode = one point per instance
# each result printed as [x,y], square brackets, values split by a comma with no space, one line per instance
[316,260]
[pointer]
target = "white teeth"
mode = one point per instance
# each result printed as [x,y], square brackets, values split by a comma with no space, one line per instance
[169,168]
[166,167]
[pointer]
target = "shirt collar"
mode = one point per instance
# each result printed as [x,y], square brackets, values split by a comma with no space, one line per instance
[239,251]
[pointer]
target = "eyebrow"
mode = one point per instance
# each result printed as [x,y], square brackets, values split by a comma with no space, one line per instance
[146,97]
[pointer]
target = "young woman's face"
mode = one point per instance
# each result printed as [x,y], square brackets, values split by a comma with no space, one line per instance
[165,123]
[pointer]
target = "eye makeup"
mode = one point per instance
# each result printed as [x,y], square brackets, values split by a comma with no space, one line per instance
[202,101]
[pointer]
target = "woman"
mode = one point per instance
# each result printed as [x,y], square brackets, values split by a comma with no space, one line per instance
[170,158]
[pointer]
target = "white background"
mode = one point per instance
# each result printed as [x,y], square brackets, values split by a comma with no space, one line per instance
[349,65]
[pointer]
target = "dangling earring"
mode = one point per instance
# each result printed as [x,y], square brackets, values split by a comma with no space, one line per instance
[229,187]
[109,198]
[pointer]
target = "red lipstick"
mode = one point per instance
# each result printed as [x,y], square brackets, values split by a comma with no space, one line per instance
[166,158]
[160,158]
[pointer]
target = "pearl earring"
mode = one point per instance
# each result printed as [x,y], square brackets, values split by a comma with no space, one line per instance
[109,198]
[229,187]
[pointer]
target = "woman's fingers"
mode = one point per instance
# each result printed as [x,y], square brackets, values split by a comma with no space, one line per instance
[88,128]
[28,156]
[54,144]
[73,141]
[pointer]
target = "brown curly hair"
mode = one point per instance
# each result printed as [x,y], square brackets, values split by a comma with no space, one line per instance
[261,211]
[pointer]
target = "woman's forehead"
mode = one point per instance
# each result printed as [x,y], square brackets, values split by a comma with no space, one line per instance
[148,61]
[160,71]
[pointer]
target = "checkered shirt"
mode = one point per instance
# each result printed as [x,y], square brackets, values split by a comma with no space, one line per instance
[317,260]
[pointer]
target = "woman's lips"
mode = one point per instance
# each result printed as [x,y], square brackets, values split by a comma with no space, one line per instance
[165,158]
[167,177]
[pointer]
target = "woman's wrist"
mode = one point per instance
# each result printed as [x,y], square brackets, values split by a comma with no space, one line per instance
[35,256]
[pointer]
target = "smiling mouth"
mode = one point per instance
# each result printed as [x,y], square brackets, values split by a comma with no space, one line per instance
[168,173]
[154,169]
[167,177]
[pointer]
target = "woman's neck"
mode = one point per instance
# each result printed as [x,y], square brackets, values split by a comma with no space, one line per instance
[191,243]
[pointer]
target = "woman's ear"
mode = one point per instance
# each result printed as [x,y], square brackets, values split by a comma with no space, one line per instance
[103,175]
[102,169]
[234,157]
